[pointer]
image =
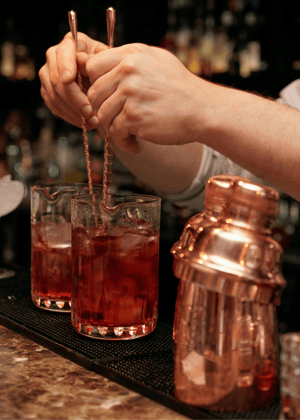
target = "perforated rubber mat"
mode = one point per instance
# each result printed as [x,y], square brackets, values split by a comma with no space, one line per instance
[144,365]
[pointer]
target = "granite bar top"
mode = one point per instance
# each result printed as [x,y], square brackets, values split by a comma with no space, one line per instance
[36,383]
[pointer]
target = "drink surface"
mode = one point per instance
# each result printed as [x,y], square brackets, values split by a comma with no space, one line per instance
[115,275]
[51,261]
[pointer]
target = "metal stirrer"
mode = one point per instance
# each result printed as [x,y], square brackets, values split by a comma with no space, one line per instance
[73,27]
[110,23]
[108,150]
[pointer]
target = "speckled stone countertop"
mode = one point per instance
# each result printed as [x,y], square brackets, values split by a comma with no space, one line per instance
[36,383]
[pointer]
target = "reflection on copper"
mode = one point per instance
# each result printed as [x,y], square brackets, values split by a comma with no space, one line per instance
[229,270]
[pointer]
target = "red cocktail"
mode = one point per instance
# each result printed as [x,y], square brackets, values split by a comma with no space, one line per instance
[51,234]
[115,277]
[51,264]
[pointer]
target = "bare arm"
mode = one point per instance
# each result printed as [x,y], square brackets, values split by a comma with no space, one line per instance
[258,134]
[167,169]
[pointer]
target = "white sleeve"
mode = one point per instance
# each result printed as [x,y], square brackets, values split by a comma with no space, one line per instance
[213,163]
[290,95]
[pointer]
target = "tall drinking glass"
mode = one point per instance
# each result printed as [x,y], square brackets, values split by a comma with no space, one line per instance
[115,254]
[51,244]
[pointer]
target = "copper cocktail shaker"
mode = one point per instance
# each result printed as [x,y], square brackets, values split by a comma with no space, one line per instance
[225,326]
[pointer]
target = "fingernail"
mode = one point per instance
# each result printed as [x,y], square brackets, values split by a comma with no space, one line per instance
[87,111]
[65,76]
[93,122]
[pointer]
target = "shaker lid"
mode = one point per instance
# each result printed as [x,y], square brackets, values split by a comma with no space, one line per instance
[233,258]
[242,191]
[217,190]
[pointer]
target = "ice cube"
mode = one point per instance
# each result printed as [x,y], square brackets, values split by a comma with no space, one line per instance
[89,240]
[118,230]
[128,242]
[53,218]
[86,247]
[193,366]
[58,236]
[95,231]
[81,239]
[152,245]
[145,227]
[138,222]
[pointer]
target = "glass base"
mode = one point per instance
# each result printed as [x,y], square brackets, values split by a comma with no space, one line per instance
[114,333]
[52,305]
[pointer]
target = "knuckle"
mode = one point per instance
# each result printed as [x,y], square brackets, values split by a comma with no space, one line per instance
[119,129]
[55,82]
[126,112]
[129,88]
[68,36]
[136,47]
[129,114]
[54,99]
[114,131]
[41,72]
[49,53]
[133,60]
[128,66]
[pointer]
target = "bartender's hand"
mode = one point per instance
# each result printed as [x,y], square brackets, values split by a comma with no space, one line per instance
[59,89]
[146,92]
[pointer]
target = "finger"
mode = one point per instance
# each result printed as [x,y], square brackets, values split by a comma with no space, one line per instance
[87,48]
[103,62]
[48,92]
[66,54]
[118,125]
[66,60]
[107,59]
[70,94]
[82,59]
[102,89]
[63,98]
[56,104]
[106,110]
[55,101]
[88,45]
[71,118]
[60,111]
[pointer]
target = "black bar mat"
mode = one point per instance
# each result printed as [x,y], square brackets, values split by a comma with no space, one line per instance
[144,365]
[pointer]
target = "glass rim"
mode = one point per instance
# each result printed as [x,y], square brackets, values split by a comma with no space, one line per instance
[132,198]
[63,184]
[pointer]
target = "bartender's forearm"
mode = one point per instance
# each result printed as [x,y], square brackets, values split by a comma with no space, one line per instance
[258,134]
[169,169]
